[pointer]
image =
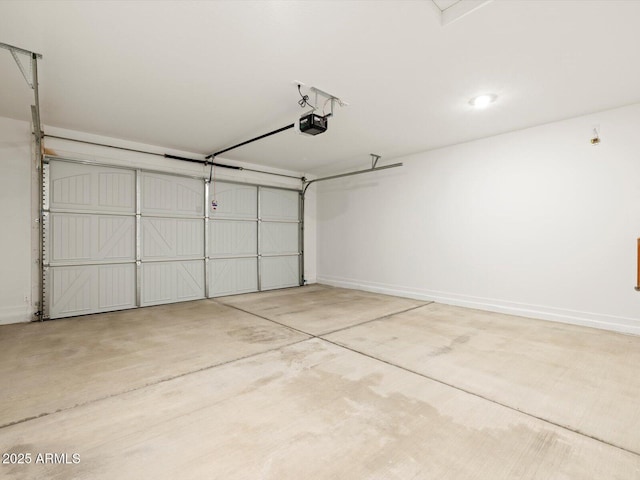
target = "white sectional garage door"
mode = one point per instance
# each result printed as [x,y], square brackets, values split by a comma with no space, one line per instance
[118,238]
[90,239]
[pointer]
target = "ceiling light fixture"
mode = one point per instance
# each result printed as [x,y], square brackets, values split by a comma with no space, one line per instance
[481,101]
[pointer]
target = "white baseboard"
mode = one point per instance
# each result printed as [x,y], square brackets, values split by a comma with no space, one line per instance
[19,314]
[585,319]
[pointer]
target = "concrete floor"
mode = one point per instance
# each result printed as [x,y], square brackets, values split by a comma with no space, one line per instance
[256,386]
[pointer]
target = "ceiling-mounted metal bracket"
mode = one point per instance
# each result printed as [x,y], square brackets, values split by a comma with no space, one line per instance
[30,76]
[329,97]
[374,159]
[22,68]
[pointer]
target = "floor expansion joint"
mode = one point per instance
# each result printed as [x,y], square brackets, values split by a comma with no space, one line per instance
[141,387]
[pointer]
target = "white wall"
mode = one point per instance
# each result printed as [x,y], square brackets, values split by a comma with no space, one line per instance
[15,222]
[536,222]
[19,201]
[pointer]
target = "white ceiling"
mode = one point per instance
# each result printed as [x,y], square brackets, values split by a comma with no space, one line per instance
[200,76]
[444,4]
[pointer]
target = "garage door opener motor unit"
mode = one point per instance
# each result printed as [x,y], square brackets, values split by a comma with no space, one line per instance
[312,124]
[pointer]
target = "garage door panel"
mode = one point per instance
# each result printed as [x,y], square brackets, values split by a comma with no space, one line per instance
[277,238]
[171,195]
[231,276]
[91,238]
[115,190]
[168,282]
[165,238]
[72,191]
[234,200]
[190,280]
[190,238]
[116,287]
[279,272]
[78,290]
[116,237]
[279,205]
[71,237]
[228,238]
[77,187]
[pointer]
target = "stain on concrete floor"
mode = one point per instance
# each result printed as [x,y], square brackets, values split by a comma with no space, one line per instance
[578,377]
